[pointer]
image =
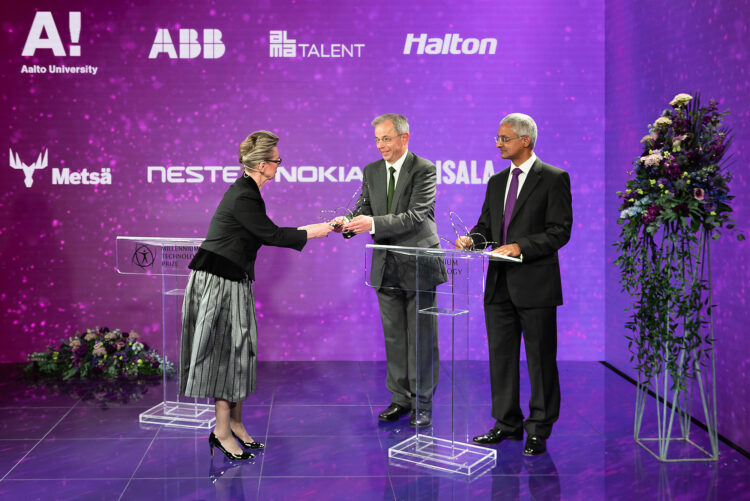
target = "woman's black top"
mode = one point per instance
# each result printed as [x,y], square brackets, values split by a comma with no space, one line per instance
[237,230]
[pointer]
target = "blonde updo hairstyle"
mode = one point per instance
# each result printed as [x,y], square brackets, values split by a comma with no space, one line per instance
[256,148]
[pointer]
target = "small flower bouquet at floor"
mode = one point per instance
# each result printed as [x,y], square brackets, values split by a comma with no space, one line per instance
[99,353]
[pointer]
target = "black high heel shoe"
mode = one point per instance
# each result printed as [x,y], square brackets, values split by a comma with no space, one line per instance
[249,445]
[214,442]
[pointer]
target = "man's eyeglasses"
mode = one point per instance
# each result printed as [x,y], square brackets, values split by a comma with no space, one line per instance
[505,139]
[277,162]
[385,139]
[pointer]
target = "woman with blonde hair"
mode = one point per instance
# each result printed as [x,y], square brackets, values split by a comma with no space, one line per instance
[218,353]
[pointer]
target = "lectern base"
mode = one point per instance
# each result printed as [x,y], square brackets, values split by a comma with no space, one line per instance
[180,415]
[443,455]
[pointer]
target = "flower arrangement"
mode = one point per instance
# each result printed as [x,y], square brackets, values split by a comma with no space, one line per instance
[676,201]
[678,177]
[99,353]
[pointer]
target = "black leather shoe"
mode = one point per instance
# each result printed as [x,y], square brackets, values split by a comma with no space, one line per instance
[249,445]
[393,413]
[420,419]
[495,436]
[535,445]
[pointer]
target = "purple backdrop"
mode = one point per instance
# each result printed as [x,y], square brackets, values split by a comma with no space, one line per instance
[159,124]
[655,50]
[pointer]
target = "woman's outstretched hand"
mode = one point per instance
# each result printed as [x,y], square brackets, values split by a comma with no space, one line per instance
[318,230]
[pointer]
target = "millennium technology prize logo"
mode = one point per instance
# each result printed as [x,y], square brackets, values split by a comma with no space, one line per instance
[143,256]
[280,45]
[45,36]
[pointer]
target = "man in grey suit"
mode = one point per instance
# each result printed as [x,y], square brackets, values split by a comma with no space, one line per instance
[397,207]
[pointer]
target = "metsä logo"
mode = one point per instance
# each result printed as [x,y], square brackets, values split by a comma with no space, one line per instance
[451,43]
[280,45]
[28,170]
[190,46]
[60,176]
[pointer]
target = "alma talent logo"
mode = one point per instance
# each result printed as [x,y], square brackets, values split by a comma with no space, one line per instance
[44,35]
[189,44]
[280,45]
[59,176]
[451,43]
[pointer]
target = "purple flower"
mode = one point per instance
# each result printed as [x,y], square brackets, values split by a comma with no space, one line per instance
[673,170]
[709,206]
[651,214]
[81,351]
[698,193]
[125,335]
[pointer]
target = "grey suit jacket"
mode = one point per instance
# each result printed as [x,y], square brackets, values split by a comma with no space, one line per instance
[410,223]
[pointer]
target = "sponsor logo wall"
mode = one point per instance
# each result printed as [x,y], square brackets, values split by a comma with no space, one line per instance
[123,121]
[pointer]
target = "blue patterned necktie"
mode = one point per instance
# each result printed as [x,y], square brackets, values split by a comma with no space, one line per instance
[510,202]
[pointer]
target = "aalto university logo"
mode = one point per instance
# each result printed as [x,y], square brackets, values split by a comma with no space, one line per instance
[28,170]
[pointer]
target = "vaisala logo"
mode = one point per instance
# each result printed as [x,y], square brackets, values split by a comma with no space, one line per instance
[59,176]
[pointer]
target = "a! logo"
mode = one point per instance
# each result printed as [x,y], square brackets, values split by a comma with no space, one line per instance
[28,170]
[143,257]
[44,24]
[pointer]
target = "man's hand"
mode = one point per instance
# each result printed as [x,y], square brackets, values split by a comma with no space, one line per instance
[338,223]
[512,250]
[359,224]
[464,243]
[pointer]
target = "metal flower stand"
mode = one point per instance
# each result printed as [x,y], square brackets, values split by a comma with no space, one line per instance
[677,400]
[167,258]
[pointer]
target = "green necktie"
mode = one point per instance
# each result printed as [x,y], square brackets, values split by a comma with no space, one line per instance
[391,187]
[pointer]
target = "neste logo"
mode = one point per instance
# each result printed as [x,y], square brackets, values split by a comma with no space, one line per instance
[451,43]
[190,46]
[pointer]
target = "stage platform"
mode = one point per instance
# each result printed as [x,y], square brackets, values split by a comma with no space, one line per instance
[319,422]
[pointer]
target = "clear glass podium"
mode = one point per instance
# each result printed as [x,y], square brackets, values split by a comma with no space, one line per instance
[447,284]
[167,258]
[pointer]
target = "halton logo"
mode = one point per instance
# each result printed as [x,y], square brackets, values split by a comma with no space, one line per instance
[28,170]
[143,257]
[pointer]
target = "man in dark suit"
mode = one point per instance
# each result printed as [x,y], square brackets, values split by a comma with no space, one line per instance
[527,213]
[397,207]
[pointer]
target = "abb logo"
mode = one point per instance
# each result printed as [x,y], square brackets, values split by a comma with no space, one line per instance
[189,44]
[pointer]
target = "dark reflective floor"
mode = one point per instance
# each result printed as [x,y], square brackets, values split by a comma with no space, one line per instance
[319,421]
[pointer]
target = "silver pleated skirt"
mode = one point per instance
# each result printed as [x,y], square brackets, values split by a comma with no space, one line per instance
[219,338]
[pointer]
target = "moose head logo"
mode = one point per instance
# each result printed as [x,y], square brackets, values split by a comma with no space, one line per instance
[28,170]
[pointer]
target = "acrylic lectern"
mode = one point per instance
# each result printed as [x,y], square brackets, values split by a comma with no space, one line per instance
[444,282]
[167,258]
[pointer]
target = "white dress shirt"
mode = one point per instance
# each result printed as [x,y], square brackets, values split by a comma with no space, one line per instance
[525,168]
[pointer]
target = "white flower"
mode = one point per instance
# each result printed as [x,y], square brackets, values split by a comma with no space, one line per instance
[652,159]
[680,99]
[662,121]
